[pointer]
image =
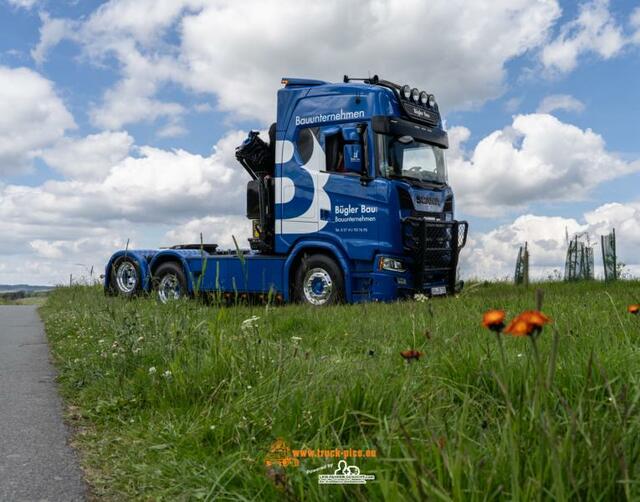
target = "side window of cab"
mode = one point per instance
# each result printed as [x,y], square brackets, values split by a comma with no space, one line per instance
[342,149]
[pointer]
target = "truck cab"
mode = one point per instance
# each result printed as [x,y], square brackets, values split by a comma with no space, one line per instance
[349,201]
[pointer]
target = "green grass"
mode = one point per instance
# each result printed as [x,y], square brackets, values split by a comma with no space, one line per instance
[459,424]
[32,299]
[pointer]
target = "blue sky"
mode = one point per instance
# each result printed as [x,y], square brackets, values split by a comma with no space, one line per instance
[120,117]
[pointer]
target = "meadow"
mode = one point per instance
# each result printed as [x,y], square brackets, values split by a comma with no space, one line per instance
[184,401]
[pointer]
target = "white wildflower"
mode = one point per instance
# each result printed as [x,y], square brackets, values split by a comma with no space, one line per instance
[249,325]
[167,374]
[419,297]
[152,370]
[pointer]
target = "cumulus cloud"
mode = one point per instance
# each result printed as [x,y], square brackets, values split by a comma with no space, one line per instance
[158,186]
[493,254]
[90,157]
[214,229]
[557,102]
[84,219]
[537,158]
[131,32]
[594,31]
[32,117]
[239,51]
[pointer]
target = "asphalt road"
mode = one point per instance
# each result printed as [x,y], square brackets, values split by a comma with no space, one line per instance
[36,463]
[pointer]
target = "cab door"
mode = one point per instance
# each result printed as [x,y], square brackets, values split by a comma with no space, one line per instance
[357,206]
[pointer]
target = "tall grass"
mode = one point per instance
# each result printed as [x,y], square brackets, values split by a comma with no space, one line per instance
[178,402]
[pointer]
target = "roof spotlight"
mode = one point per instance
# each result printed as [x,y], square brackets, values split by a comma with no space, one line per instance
[406,91]
[432,100]
[415,94]
[424,97]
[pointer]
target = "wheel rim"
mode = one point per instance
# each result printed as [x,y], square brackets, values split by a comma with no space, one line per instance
[127,277]
[169,288]
[318,286]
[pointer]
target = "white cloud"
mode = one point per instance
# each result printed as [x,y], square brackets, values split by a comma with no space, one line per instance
[172,130]
[556,102]
[274,39]
[159,186]
[83,220]
[215,230]
[131,32]
[91,157]
[131,99]
[24,4]
[493,255]
[239,51]
[32,117]
[52,32]
[537,158]
[594,31]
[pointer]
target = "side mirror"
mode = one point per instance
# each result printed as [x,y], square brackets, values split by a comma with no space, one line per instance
[361,129]
[350,134]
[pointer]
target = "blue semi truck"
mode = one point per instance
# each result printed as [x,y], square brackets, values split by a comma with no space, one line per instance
[349,201]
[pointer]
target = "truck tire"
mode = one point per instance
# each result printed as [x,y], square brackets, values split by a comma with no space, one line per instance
[318,281]
[170,283]
[126,280]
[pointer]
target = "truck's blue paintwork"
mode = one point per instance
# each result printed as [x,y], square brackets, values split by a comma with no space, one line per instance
[335,213]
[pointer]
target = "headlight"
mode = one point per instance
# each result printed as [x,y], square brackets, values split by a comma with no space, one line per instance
[386,263]
[432,100]
[406,91]
[415,94]
[424,97]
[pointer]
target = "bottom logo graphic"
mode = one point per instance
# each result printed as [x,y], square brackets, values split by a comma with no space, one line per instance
[345,475]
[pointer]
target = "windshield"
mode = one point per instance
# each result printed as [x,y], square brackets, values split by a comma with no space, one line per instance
[407,158]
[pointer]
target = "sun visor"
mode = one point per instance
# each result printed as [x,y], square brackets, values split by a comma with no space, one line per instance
[399,127]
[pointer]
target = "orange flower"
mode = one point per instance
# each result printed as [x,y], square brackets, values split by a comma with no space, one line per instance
[527,323]
[538,319]
[411,354]
[634,309]
[494,320]
[519,327]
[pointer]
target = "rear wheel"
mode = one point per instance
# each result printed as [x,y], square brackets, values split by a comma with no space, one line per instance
[125,277]
[170,282]
[318,281]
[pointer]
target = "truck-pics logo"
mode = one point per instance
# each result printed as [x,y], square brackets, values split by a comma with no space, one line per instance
[329,117]
[345,474]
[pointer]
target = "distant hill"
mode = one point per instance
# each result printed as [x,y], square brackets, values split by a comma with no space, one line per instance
[15,288]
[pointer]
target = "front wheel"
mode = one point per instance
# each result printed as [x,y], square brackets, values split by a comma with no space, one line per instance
[318,281]
[170,282]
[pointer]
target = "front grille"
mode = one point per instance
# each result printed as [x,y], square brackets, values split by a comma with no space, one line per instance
[434,247]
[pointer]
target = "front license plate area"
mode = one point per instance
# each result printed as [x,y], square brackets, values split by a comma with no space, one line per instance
[439,291]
